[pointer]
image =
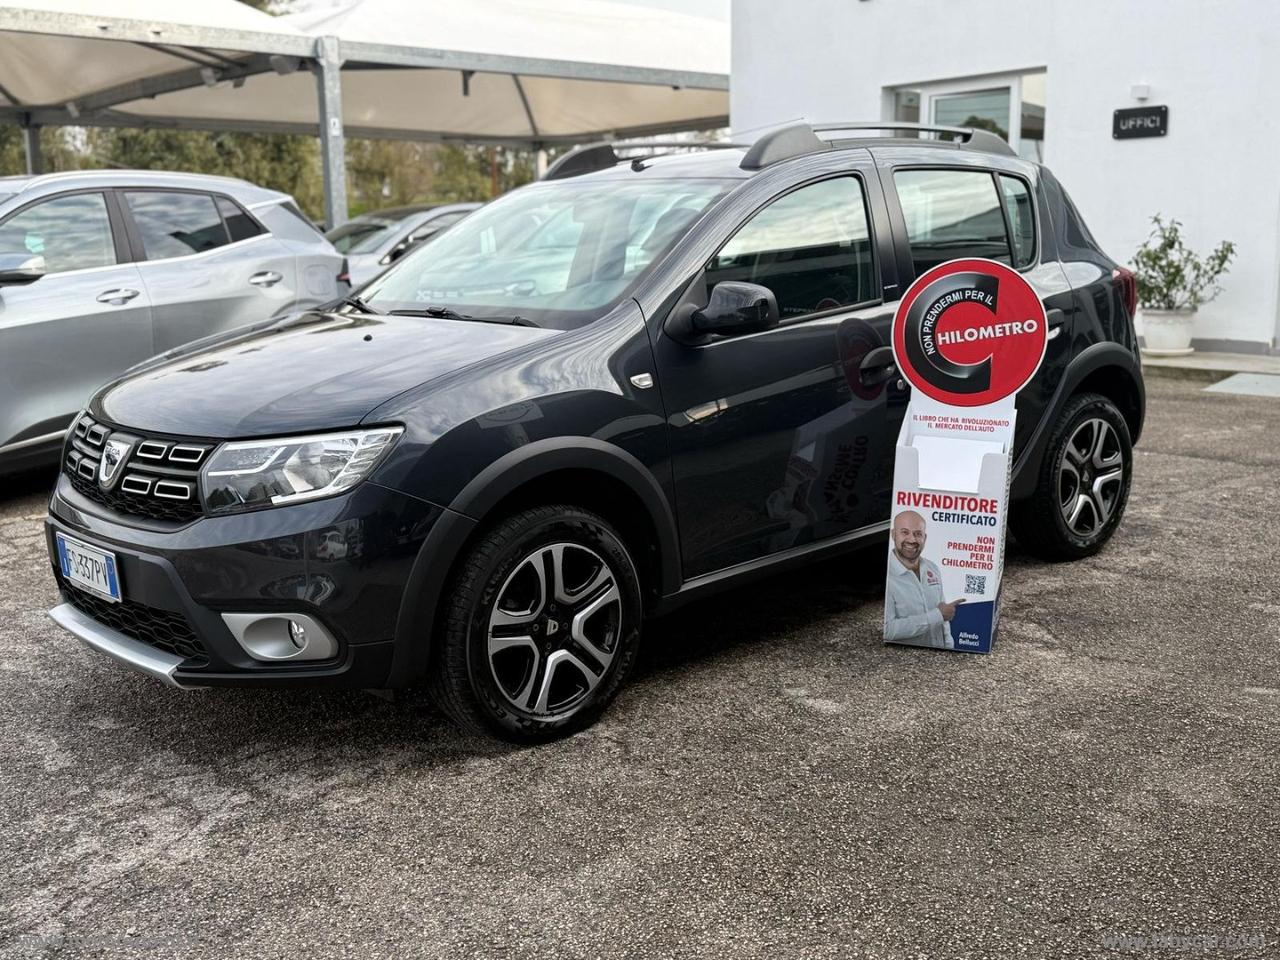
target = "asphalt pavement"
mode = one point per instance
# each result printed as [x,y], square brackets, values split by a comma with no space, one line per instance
[774,782]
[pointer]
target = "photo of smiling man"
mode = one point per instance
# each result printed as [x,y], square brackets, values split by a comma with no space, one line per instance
[915,610]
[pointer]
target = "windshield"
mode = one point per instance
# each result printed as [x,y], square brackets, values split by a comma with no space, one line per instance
[559,254]
[365,234]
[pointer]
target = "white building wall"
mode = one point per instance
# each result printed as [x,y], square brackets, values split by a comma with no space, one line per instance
[1214,63]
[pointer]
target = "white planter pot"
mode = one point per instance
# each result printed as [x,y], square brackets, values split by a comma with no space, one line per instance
[1167,333]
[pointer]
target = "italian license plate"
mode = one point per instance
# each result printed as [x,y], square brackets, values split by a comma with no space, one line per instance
[88,567]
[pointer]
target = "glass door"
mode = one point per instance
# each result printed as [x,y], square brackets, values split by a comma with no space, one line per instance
[981,109]
[1012,106]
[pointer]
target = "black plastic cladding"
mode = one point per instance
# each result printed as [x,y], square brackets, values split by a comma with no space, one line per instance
[157,628]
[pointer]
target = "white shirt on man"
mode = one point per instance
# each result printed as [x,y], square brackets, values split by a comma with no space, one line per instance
[911,613]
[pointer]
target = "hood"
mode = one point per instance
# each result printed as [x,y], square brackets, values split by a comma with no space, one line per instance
[314,372]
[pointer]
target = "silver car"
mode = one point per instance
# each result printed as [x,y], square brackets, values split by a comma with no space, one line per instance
[101,270]
[375,240]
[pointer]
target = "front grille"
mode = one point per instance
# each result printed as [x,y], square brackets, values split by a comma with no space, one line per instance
[161,629]
[160,480]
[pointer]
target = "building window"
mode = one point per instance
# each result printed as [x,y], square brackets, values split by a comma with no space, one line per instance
[981,109]
[1031,132]
[1012,106]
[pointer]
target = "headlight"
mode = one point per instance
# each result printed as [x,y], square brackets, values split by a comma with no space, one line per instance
[268,473]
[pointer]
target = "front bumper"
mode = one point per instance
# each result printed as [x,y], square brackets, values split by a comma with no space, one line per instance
[343,561]
[132,653]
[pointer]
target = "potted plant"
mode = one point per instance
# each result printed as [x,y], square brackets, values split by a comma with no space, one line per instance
[1173,281]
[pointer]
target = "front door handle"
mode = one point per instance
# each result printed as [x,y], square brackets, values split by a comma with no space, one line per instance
[266,278]
[117,297]
[877,366]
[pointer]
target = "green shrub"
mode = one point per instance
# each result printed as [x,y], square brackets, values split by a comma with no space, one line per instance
[1173,277]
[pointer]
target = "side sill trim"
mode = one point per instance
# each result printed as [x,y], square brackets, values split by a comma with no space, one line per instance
[132,653]
[744,572]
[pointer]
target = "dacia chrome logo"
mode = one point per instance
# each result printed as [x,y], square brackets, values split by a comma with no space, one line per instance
[114,456]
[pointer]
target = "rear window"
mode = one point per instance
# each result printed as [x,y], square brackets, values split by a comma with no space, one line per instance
[176,224]
[951,214]
[361,235]
[1022,222]
[240,225]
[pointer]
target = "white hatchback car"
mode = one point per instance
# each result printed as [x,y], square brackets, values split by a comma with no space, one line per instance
[375,240]
[100,270]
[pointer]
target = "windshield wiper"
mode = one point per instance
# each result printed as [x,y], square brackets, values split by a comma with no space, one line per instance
[352,300]
[444,313]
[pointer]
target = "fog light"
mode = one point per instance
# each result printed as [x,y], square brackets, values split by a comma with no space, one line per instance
[281,636]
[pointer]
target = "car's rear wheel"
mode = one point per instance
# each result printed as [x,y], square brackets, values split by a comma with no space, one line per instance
[1083,485]
[541,627]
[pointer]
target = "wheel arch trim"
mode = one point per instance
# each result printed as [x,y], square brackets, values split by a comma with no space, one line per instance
[438,554]
[1092,359]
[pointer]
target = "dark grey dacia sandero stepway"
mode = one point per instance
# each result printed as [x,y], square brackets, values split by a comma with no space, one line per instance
[632,383]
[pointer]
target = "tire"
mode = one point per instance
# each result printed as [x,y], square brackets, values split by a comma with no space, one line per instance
[1083,483]
[540,628]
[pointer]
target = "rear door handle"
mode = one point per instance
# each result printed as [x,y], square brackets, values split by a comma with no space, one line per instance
[877,366]
[1056,318]
[117,297]
[266,278]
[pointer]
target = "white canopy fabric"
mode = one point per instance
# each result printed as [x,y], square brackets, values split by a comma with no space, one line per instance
[518,71]
[593,31]
[54,52]
[432,105]
[527,72]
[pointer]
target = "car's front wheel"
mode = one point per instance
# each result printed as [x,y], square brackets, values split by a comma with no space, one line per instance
[541,627]
[1083,485]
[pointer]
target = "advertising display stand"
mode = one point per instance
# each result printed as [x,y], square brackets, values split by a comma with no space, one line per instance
[967,336]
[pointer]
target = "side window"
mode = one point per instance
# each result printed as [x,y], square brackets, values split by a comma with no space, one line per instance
[811,247]
[1022,221]
[951,214]
[176,224]
[446,219]
[240,225]
[71,233]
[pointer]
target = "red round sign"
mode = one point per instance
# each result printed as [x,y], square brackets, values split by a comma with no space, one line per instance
[969,332]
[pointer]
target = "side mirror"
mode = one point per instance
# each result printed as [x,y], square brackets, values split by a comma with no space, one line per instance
[734,308]
[21,267]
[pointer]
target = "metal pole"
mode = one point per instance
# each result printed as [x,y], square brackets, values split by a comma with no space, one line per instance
[540,164]
[332,142]
[31,146]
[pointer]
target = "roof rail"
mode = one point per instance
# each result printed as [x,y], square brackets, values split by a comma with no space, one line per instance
[798,139]
[601,156]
